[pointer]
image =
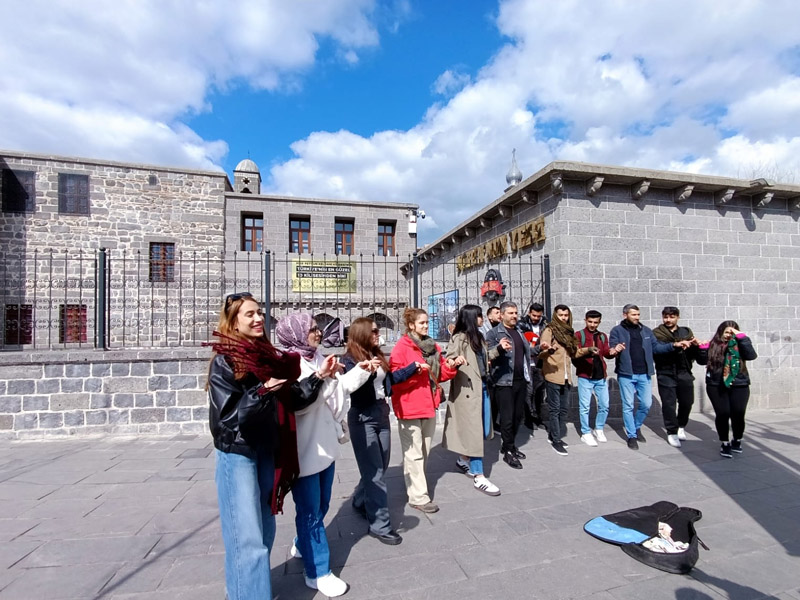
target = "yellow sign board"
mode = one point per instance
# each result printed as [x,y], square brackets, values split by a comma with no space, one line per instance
[521,237]
[324,276]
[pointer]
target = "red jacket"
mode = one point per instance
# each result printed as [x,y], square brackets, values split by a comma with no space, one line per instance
[412,398]
[584,367]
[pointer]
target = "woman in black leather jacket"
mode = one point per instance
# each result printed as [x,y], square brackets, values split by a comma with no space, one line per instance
[253,391]
[728,382]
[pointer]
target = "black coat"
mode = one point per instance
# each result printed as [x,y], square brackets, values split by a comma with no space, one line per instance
[746,352]
[671,366]
[242,414]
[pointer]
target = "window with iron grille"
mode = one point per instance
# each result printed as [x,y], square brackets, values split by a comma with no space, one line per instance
[162,262]
[72,323]
[300,234]
[18,189]
[343,236]
[252,232]
[386,238]
[73,194]
[19,324]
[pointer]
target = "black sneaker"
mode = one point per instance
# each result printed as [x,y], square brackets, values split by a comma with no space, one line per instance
[563,441]
[725,451]
[640,437]
[519,453]
[736,446]
[511,460]
[633,444]
[559,448]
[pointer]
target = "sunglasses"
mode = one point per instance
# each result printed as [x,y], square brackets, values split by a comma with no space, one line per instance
[376,330]
[234,297]
[314,329]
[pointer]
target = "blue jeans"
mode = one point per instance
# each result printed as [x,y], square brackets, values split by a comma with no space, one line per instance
[640,385]
[585,388]
[244,486]
[476,465]
[312,497]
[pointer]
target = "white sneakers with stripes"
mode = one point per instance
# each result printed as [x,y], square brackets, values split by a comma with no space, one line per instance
[487,487]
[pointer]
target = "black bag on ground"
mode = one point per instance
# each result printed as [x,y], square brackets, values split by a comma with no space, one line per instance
[640,533]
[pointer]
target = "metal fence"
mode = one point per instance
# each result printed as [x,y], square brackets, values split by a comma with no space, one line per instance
[121,299]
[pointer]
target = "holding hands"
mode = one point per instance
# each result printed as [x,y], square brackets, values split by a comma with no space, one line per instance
[457,361]
[330,367]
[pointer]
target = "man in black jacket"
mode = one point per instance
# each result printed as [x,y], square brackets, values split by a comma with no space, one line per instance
[532,326]
[674,374]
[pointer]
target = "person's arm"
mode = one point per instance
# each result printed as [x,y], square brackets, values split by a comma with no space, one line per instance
[701,355]
[445,372]
[402,374]
[663,347]
[400,358]
[746,349]
[227,395]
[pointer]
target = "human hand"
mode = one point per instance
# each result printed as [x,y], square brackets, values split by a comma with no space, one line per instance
[619,348]
[273,385]
[423,367]
[329,367]
[594,350]
[366,365]
[376,363]
[506,344]
[546,346]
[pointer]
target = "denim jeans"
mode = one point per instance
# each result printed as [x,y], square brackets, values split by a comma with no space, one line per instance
[585,388]
[312,497]
[476,465]
[558,404]
[244,486]
[641,385]
[371,436]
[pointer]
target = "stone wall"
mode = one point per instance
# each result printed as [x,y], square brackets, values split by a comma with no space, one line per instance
[738,261]
[58,393]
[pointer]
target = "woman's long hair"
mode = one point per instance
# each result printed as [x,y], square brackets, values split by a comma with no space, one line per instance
[410,316]
[359,342]
[258,356]
[467,323]
[717,346]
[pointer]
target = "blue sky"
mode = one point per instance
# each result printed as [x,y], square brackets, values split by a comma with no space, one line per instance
[406,100]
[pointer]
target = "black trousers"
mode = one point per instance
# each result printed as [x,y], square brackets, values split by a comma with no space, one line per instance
[370,435]
[676,403]
[511,406]
[558,404]
[534,405]
[729,404]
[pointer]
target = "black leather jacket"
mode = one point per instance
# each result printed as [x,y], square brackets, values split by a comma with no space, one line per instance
[242,413]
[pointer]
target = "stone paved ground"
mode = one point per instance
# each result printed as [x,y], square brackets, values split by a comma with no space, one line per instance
[137,519]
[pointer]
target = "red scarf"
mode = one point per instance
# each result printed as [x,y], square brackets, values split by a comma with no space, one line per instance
[261,359]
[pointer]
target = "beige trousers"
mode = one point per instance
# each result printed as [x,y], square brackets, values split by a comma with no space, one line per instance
[415,440]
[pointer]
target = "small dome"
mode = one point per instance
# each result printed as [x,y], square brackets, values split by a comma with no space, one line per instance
[247,166]
[514,175]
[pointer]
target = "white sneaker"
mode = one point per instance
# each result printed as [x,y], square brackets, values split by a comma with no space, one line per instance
[681,433]
[674,441]
[588,439]
[330,585]
[294,552]
[487,487]
[601,437]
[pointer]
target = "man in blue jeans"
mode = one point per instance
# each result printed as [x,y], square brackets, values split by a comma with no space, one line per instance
[591,371]
[634,370]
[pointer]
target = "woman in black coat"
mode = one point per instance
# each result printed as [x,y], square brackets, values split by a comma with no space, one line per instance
[728,382]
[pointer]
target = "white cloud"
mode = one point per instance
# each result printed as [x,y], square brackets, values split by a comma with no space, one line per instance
[112,79]
[665,84]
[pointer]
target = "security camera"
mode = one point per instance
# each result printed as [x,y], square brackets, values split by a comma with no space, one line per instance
[421,214]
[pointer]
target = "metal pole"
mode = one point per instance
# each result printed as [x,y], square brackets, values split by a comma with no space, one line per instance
[100,307]
[546,279]
[267,296]
[415,269]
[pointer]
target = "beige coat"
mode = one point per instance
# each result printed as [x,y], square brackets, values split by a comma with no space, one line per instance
[463,425]
[556,364]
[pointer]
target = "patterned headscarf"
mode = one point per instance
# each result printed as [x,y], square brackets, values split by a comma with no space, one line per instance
[292,332]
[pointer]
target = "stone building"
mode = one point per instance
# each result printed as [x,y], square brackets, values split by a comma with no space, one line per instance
[112,275]
[719,248]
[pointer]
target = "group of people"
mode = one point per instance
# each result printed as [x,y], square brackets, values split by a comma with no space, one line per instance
[277,416]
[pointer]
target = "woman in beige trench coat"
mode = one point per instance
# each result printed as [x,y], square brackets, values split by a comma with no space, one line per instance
[469,418]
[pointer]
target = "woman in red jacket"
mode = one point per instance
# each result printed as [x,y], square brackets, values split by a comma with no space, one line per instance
[415,401]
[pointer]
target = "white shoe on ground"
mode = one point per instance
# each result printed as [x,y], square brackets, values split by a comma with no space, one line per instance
[294,552]
[487,487]
[588,439]
[330,585]
[681,434]
[674,441]
[601,437]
